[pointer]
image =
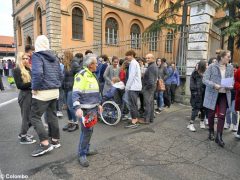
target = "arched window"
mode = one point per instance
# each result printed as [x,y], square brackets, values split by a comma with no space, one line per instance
[19,29]
[39,21]
[153,38]
[28,41]
[77,23]
[169,42]
[111,31]
[135,36]
[156,6]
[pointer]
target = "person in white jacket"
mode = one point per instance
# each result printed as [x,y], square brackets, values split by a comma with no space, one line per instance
[133,86]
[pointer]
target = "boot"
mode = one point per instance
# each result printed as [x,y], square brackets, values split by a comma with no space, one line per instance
[222,139]
[219,140]
[211,136]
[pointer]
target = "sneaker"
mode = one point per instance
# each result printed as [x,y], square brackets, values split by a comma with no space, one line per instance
[27,140]
[235,128]
[83,161]
[65,128]
[237,135]
[41,149]
[27,135]
[226,126]
[202,125]
[59,114]
[73,127]
[55,144]
[191,127]
[92,152]
[157,111]
[132,125]
[206,121]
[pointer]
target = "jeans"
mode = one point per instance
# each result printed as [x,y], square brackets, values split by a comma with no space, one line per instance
[231,111]
[222,107]
[195,113]
[160,101]
[71,112]
[24,101]
[60,100]
[85,137]
[38,108]
[149,104]
[133,97]
[167,95]
[173,90]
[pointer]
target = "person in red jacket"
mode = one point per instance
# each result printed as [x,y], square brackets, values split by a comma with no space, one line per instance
[237,97]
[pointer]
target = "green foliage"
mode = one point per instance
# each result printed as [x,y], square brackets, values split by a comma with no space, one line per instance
[168,17]
[232,19]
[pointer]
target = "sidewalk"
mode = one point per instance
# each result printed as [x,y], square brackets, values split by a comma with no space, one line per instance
[162,150]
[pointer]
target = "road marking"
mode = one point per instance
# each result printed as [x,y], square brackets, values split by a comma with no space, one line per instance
[1,175]
[8,102]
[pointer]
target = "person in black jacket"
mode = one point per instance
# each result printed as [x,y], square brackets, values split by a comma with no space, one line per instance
[149,86]
[77,63]
[22,77]
[197,89]
[70,69]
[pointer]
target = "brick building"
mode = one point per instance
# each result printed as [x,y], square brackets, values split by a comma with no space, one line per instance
[7,46]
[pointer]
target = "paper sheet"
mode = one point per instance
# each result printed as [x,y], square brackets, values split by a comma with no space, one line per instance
[227,82]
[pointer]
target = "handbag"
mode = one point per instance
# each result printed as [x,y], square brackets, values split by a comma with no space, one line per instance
[160,85]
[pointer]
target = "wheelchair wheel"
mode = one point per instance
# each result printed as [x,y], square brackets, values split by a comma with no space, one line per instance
[111,114]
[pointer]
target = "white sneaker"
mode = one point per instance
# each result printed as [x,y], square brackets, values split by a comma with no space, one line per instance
[59,114]
[226,126]
[237,135]
[202,125]
[191,127]
[235,128]
[206,121]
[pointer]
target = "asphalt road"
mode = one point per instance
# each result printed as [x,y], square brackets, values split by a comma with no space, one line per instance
[16,158]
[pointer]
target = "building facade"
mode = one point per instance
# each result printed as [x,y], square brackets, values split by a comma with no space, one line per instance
[7,46]
[83,24]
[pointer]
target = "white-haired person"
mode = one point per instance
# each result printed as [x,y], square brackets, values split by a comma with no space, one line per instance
[86,102]
[22,77]
[46,80]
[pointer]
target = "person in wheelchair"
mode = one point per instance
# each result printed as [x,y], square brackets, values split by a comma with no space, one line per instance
[116,91]
[112,102]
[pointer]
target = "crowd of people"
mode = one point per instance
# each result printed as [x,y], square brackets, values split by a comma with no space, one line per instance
[80,83]
[215,99]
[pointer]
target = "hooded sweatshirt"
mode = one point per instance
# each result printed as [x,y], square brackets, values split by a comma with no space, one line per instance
[46,71]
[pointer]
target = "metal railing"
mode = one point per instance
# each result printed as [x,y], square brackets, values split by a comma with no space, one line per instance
[170,44]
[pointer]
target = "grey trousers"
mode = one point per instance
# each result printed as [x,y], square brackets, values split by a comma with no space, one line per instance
[24,101]
[38,108]
[148,95]
[133,97]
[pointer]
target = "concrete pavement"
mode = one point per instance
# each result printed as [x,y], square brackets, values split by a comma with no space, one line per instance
[163,150]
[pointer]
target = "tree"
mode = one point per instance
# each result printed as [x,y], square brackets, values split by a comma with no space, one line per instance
[231,22]
[169,16]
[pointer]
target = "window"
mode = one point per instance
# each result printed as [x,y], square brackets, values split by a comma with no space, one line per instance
[153,41]
[156,6]
[135,36]
[77,23]
[169,42]
[28,41]
[39,21]
[111,31]
[19,29]
[138,2]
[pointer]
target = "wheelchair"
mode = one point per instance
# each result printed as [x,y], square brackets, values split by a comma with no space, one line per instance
[112,113]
